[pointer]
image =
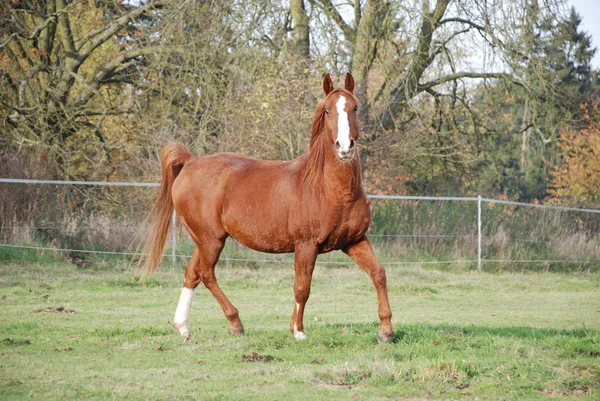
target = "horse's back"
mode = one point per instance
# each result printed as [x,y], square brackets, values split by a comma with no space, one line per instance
[247,198]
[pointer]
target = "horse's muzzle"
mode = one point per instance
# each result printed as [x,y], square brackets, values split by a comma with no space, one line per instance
[346,154]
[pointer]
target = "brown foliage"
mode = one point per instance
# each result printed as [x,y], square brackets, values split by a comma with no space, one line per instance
[577,179]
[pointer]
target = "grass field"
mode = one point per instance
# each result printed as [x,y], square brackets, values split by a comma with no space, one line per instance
[459,335]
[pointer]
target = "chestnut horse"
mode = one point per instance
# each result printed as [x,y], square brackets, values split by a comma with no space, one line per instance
[311,205]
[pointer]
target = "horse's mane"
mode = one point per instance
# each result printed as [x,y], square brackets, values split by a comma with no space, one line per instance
[316,151]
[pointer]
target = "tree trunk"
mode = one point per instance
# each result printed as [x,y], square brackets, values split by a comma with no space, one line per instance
[301,43]
[371,28]
[409,82]
[526,128]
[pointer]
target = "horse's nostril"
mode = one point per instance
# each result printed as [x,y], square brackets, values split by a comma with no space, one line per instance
[352,143]
[337,145]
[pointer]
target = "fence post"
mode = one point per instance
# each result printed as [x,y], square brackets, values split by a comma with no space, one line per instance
[174,235]
[479,232]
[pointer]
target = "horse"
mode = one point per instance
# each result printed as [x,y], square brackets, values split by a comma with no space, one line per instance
[307,206]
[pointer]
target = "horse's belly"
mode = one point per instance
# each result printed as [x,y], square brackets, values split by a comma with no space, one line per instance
[263,245]
[260,234]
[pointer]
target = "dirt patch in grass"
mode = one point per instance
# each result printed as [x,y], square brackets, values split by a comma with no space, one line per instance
[256,357]
[57,309]
[10,341]
[330,386]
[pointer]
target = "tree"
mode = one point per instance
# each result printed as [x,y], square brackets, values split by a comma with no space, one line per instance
[64,67]
[553,57]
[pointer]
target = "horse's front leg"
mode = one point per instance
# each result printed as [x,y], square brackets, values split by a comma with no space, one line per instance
[305,256]
[362,253]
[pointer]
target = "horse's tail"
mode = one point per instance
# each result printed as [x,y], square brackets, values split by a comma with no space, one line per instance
[173,157]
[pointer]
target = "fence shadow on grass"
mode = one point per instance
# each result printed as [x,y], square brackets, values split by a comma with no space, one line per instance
[512,332]
[411,333]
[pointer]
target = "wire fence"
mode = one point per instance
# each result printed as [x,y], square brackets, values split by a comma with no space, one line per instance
[406,230]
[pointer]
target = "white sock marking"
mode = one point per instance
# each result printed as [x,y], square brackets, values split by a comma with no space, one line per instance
[298,335]
[183,310]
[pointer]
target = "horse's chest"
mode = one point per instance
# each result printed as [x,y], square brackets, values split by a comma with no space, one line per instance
[345,226]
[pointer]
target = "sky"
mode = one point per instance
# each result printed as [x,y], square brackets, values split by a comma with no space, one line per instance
[590,14]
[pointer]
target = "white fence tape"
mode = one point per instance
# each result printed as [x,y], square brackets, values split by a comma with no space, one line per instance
[371,196]
[174,255]
[102,183]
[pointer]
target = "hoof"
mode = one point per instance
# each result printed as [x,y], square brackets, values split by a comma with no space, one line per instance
[236,331]
[385,338]
[300,336]
[183,329]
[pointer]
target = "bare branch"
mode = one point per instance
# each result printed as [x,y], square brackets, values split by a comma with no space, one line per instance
[440,46]
[117,64]
[473,75]
[34,35]
[116,26]
[462,21]
[329,9]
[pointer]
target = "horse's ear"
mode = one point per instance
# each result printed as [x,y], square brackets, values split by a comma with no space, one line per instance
[349,82]
[327,84]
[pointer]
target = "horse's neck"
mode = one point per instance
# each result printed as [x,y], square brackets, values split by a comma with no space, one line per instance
[342,179]
[331,178]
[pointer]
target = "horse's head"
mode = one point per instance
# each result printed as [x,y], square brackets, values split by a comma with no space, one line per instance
[341,117]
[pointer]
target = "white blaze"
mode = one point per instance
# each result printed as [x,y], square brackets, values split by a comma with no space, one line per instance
[343,136]
[183,310]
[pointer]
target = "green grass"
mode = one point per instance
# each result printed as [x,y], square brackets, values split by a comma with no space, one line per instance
[459,335]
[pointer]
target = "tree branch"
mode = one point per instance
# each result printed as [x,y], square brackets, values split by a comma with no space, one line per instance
[329,9]
[462,21]
[117,64]
[484,30]
[65,32]
[116,26]
[473,75]
[34,35]
[440,46]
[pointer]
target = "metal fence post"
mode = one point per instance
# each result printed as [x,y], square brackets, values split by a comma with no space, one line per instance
[174,235]
[479,232]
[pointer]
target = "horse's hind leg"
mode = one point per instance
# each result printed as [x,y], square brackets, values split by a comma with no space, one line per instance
[201,268]
[230,311]
[193,277]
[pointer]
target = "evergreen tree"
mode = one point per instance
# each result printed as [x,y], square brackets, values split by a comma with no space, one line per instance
[553,56]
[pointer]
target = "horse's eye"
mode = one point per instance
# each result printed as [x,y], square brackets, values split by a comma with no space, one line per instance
[327,111]
[355,108]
